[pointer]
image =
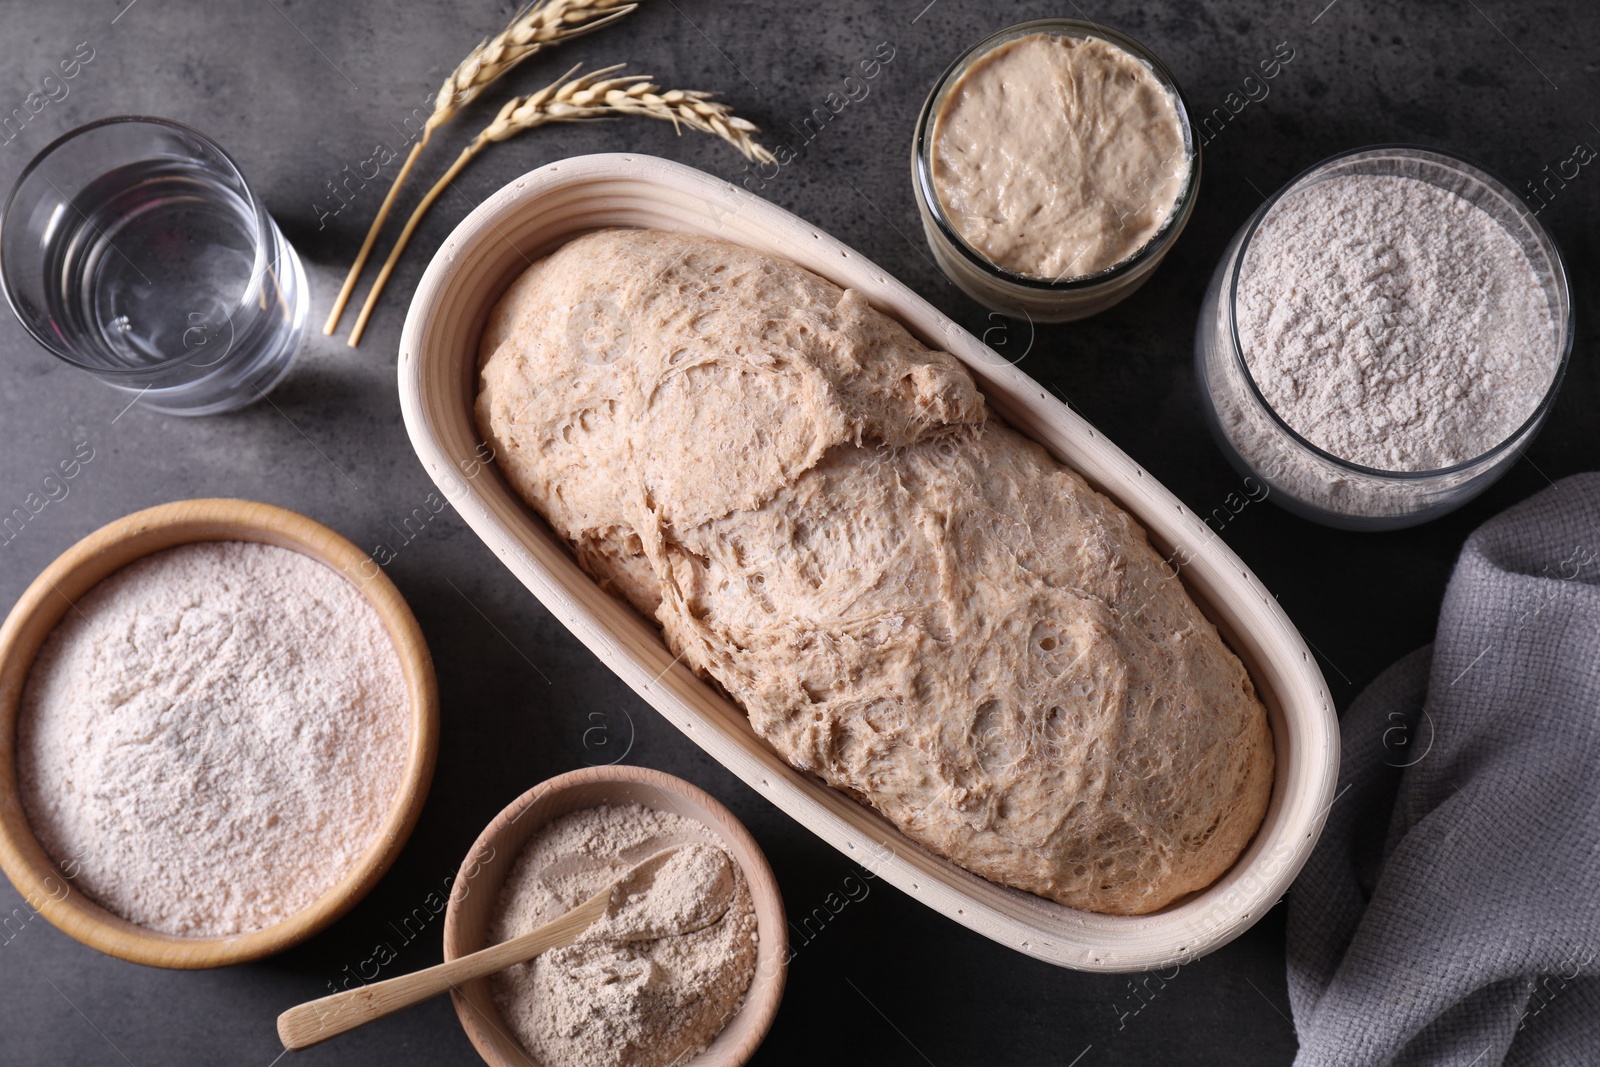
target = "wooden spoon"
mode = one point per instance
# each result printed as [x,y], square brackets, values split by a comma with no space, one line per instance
[315,1021]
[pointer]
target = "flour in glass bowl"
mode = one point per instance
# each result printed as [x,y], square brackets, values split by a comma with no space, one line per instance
[210,739]
[1394,324]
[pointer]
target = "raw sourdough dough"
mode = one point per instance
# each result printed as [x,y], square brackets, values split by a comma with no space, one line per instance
[907,598]
[1058,157]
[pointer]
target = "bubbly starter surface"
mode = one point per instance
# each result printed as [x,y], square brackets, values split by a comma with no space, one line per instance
[1058,157]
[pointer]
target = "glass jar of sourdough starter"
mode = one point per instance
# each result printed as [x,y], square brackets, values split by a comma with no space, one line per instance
[1057,295]
[1315,483]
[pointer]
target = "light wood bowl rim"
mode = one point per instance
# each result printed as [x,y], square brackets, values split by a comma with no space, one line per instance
[533,214]
[43,887]
[587,787]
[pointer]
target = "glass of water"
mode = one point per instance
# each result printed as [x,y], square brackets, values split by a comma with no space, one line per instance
[132,248]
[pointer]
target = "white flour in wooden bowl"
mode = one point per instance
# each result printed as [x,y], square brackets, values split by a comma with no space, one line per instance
[212,736]
[1393,323]
[602,1002]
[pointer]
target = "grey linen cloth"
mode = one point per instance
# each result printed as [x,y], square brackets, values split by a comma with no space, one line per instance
[1451,911]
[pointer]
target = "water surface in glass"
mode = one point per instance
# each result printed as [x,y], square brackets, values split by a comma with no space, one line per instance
[133,248]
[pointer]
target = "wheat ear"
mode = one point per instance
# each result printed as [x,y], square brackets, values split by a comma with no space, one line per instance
[535,27]
[596,95]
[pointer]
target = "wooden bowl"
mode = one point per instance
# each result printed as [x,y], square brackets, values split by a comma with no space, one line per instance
[477,888]
[543,209]
[48,890]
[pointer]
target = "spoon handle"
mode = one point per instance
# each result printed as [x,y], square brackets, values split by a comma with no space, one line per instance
[316,1021]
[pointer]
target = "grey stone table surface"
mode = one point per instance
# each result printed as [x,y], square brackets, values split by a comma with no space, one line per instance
[300,91]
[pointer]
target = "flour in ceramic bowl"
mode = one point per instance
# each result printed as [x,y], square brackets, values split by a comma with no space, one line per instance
[1393,323]
[633,1000]
[212,736]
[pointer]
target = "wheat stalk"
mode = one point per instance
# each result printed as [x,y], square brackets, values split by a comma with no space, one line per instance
[596,95]
[535,27]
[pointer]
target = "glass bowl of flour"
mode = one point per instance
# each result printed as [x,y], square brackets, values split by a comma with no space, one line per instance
[1384,337]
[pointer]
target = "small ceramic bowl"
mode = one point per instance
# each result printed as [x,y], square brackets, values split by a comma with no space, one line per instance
[483,872]
[47,889]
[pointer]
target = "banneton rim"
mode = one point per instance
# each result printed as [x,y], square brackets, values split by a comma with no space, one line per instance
[1391,498]
[1011,291]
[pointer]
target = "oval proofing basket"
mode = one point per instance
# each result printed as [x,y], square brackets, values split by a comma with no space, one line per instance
[438,381]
